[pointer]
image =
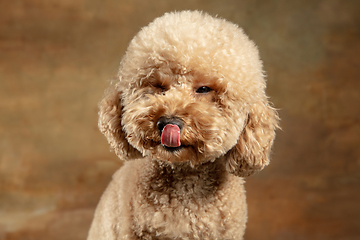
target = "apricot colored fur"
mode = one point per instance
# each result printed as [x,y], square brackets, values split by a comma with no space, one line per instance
[195,191]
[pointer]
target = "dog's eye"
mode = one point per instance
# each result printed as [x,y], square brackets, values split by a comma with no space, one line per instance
[203,89]
[160,87]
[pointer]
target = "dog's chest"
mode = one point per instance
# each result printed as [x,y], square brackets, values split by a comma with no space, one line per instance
[183,203]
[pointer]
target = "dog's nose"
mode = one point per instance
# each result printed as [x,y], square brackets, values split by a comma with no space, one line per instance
[163,121]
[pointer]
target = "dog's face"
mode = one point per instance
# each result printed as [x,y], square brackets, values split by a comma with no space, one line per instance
[191,89]
[176,116]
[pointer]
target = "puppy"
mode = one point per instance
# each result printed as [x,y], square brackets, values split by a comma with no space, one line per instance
[189,109]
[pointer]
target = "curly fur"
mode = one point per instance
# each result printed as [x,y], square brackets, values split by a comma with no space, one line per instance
[196,191]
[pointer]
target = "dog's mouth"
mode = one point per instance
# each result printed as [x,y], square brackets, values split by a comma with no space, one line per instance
[170,132]
[173,149]
[170,136]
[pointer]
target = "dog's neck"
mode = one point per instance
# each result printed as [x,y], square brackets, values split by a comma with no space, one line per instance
[184,182]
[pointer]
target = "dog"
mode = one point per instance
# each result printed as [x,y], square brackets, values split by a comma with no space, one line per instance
[190,117]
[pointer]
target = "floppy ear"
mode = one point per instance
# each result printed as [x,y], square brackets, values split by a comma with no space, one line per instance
[252,151]
[110,112]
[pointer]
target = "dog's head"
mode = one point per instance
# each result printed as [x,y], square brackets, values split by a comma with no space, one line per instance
[191,88]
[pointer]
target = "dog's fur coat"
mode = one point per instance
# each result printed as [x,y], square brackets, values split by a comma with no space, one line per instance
[203,75]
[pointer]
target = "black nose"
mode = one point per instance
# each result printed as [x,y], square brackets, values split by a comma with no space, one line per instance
[163,121]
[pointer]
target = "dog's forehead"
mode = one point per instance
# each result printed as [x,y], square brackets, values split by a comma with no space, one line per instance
[177,75]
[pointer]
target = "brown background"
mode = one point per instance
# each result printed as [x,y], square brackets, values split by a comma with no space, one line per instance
[56,58]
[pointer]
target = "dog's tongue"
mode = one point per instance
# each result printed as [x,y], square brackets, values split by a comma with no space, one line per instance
[170,136]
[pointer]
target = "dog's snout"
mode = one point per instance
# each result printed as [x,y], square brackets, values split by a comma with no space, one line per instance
[163,121]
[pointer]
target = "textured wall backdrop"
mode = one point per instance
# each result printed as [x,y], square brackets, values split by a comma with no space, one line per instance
[56,58]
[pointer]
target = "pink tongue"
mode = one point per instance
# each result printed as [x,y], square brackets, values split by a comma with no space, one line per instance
[170,136]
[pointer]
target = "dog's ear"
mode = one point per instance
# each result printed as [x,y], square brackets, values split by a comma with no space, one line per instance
[110,112]
[252,151]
